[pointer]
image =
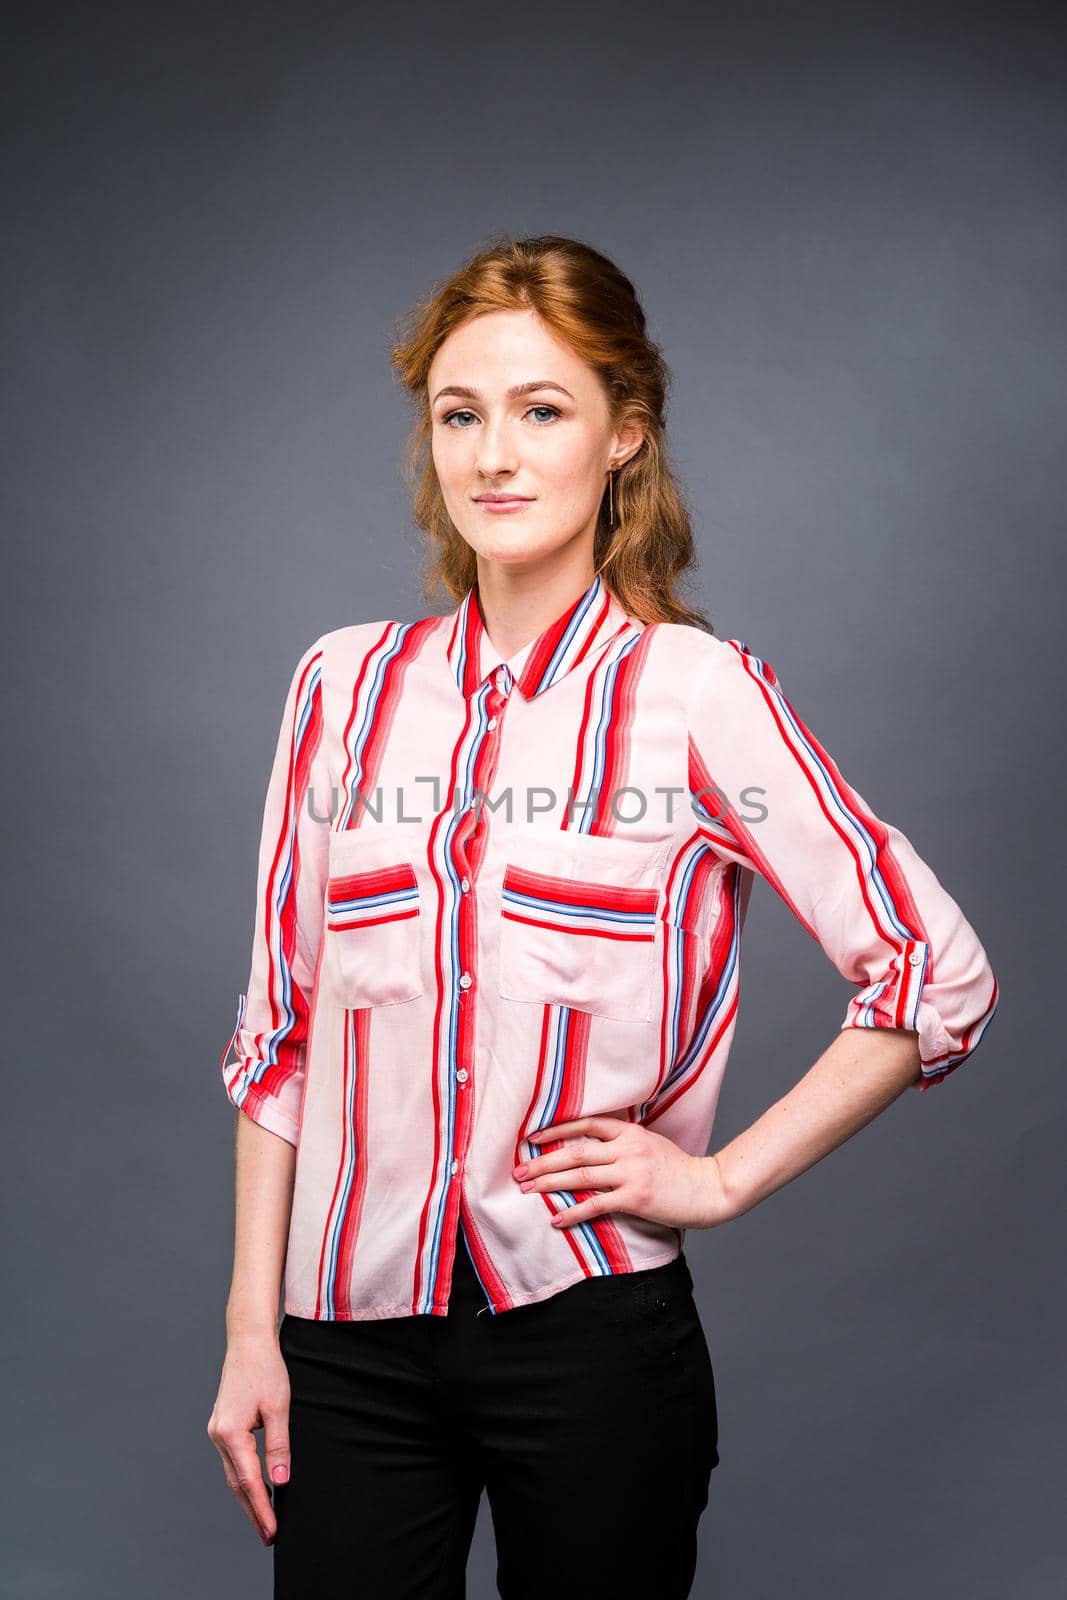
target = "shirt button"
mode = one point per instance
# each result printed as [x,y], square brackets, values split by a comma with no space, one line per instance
[491,723]
[465,884]
[465,980]
[462,1075]
[915,958]
[455,1168]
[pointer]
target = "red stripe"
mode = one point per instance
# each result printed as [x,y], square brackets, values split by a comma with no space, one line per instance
[383,713]
[687,918]
[361,1027]
[321,1308]
[386,705]
[722,940]
[443,1001]
[372,922]
[300,761]
[357,691]
[537,662]
[382,880]
[591,933]
[618,737]
[887,864]
[579,892]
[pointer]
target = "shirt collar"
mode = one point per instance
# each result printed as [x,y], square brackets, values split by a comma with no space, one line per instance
[582,630]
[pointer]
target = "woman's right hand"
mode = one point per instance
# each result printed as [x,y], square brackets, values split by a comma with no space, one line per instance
[253,1393]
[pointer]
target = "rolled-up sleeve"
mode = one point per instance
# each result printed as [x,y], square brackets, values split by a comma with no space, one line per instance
[767,795]
[269,1042]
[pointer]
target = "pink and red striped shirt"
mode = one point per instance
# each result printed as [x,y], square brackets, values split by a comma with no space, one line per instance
[496,895]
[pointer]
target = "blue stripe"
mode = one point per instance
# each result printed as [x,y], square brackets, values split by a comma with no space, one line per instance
[557,907]
[367,901]
[577,621]
[363,731]
[566,1196]
[711,1010]
[330,1287]
[478,733]
[850,818]
[279,1036]
[611,671]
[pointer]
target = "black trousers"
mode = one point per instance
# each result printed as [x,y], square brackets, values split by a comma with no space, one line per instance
[588,1418]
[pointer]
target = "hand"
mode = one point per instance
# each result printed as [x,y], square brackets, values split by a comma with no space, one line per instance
[627,1167]
[253,1392]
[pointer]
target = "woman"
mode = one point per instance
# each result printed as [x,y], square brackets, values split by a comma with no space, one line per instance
[506,858]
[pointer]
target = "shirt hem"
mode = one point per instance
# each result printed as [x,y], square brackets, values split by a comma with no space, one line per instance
[545,1292]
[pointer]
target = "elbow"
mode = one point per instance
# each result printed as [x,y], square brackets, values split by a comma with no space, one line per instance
[948,1002]
[955,1022]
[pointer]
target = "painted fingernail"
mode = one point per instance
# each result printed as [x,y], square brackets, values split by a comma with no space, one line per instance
[281,1473]
[520,1170]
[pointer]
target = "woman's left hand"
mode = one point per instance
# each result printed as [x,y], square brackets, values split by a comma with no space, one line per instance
[629,1168]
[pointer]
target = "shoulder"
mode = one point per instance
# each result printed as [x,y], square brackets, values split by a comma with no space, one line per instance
[694,651]
[343,650]
[716,681]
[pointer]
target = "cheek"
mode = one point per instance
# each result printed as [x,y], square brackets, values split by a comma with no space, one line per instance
[454,474]
[572,468]
[446,460]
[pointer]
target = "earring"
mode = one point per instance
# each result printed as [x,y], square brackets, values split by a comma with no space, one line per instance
[611,500]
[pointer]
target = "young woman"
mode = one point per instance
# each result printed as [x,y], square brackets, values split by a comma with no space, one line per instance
[506,858]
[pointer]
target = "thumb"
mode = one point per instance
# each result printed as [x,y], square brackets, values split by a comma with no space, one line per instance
[276,1447]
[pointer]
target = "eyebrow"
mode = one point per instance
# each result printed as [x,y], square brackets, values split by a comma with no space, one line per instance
[513,393]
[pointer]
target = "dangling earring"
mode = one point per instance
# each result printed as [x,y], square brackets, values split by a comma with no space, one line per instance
[611,499]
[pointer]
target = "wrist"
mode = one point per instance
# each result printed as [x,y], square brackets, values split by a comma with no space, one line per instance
[715,1203]
[244,1322]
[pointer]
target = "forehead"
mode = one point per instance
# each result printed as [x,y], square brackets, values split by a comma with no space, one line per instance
[500,348]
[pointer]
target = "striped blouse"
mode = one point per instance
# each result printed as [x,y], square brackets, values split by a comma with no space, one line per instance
[498,894]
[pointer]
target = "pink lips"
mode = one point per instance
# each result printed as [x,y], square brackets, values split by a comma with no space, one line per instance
[502,502]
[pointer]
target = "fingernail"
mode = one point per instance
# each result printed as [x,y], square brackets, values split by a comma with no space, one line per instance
[281,1473]
[520,1170]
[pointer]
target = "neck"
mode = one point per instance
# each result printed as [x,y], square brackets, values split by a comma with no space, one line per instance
[518,606]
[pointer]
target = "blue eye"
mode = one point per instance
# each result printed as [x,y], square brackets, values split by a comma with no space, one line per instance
[447,419]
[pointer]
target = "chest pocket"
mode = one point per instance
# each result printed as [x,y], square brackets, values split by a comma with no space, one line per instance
[579,920]
[372,953]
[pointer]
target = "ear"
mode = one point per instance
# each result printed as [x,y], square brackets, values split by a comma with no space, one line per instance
[626,442]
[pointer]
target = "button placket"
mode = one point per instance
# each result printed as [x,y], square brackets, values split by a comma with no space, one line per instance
[495,704]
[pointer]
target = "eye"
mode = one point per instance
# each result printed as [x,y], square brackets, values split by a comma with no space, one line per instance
[553,411]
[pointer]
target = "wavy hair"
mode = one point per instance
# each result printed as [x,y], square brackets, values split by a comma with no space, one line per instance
[593,308]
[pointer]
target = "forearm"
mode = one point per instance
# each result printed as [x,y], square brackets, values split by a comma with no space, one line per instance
[859,1075]
[264,1166]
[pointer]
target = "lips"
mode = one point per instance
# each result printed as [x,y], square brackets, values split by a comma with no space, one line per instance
[503,499]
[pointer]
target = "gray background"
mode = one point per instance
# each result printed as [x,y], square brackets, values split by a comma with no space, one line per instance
[847,224]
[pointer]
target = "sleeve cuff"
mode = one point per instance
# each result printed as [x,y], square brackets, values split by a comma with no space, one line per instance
[264,1109]
[267,1113]
[895,1001]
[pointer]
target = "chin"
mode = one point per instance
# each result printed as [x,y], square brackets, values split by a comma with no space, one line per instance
[508,551]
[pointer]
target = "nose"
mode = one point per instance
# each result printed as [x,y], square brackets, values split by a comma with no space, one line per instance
[496,454]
